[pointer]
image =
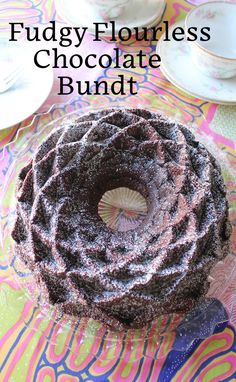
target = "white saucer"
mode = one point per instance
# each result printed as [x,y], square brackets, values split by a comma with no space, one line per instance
[177,66]
[82,14]
[30,91]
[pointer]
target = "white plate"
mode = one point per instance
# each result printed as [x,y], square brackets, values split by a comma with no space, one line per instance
[30,91]
[82,14]
[177,66]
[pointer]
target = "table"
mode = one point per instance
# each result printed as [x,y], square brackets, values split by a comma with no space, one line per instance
[25,353]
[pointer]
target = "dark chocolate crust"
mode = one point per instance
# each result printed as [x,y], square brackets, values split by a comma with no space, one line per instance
[124,279]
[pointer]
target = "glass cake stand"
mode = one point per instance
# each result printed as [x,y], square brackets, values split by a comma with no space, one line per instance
[169,332]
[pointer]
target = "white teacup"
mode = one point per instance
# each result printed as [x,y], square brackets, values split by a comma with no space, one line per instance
[216,57]
[109,9]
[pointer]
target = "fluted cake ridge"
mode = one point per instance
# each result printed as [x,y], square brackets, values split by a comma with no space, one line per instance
[124,279]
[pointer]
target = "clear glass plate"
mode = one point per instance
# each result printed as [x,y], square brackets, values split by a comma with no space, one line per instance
[167,332]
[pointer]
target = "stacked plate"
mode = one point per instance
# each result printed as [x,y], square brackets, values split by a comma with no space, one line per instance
[30,90]
[85,14]
[178,67]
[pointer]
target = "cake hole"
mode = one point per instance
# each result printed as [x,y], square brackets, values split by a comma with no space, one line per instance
[122,209]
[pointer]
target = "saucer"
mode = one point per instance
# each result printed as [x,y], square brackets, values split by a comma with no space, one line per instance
[178,68]
[84,15]
[30,90]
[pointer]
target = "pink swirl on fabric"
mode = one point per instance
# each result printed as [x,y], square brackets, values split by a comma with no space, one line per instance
[125,371]
[5,138]
[165,347]
[17,354]
[148,364]
[204,351]
[78,360]
[53,356]
[37,351]
[26,312]
[48,10]
[10,282]
[46,374]
[225,361]
[155,336]
[13,4]
[216,136]
[179,8]
[134,46]
[103,364]
[67,378]
[22,12]
[133,352]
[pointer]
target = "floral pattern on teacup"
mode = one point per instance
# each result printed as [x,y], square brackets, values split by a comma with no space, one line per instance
[206,14]
[211,65]
[109,9]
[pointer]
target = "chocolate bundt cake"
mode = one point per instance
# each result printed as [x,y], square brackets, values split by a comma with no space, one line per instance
[124,279]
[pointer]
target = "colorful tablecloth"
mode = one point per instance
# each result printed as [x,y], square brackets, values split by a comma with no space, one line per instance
[26,355]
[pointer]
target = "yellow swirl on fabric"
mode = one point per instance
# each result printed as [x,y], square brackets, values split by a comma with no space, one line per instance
[210,347]
[220,368]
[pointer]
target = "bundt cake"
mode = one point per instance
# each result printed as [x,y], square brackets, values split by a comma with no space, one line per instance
[123,279]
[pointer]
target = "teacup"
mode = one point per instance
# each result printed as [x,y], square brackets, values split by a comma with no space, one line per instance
[216,57]
[109,9]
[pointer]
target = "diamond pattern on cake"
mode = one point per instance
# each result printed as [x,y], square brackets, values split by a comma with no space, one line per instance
[124,279]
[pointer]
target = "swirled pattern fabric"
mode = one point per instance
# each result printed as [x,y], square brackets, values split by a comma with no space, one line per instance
[32,346]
